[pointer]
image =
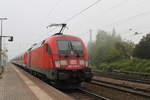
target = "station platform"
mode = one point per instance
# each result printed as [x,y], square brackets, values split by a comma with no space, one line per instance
[16,84]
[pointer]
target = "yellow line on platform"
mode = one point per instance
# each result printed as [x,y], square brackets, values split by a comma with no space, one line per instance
[39,93]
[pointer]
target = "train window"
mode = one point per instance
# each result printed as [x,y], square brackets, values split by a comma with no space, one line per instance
[63,45]
[30,49]
[76,45]
[43,42]
[48,50]
[69,47]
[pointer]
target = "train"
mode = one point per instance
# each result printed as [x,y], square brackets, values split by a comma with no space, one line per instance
[62,59]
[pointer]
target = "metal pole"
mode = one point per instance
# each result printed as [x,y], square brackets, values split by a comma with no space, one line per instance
[1,42]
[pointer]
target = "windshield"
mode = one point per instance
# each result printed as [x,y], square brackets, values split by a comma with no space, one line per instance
[69,47]
[63,45]
[76,45]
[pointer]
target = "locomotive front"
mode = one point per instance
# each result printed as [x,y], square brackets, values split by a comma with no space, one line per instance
[70,59]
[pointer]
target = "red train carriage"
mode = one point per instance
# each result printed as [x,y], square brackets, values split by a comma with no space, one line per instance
[61,58]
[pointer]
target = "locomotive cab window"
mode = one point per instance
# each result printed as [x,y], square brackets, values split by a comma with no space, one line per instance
[76,45]
[48,50]
[70,47]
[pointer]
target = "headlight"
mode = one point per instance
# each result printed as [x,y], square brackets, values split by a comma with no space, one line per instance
[57,64]
[63,62]
[60,62]
[81,62]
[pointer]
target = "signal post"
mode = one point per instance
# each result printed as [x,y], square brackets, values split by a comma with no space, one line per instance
[1,38]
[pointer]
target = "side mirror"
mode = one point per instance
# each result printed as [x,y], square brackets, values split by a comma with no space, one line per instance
[11,39]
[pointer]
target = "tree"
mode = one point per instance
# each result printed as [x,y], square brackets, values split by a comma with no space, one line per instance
[109,48]
[103,50]
[125,48]
[142,50]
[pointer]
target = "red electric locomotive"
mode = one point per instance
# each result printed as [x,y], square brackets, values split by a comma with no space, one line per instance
[60,58]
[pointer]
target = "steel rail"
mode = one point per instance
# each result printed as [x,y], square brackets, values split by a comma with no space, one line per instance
[126,89]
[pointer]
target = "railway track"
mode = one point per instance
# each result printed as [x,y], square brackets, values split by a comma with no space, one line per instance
[123,88]
[82,94]
[121,76]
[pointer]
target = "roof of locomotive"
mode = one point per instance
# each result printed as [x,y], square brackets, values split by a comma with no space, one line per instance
[64,35]
[53,37]
[56,37]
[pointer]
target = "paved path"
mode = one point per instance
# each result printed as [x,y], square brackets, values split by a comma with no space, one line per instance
[19,85]
[12,87]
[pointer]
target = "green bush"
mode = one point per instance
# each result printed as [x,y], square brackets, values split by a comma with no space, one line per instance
[136,65]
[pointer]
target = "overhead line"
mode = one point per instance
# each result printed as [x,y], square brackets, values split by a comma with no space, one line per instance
[51,12]
[77,14]
[129,18]
[120,4]
[57,2]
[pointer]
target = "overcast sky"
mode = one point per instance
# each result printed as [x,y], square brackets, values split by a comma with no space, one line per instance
[27,19]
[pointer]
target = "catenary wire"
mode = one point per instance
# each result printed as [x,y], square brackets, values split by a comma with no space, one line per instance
[129,18]
[53,9]
[77,14]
